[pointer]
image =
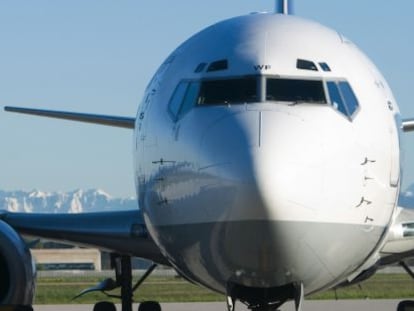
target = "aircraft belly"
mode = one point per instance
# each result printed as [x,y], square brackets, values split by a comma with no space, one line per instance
[266,253]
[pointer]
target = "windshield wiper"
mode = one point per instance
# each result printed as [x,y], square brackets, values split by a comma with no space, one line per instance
[302,101]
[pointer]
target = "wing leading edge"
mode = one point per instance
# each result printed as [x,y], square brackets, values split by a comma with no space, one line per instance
[123,232]
[116,121]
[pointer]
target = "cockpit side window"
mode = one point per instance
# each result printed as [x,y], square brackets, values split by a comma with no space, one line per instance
[176,100]
[219,92]
[183,99]
[342,97]
[336,99]
[349,97]
[190,98]
[295,91]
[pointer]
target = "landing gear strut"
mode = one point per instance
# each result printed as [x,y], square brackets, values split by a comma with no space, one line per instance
[123,279]
[123,273]
[268,299]
[299,297]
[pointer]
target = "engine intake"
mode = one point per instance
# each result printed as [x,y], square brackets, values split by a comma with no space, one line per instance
[17,269]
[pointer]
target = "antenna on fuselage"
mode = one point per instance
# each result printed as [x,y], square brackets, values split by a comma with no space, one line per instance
[284,7]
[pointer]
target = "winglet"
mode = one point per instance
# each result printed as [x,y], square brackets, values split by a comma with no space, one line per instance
[116,121]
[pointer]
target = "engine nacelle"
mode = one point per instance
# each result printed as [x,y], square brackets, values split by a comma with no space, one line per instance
[17,269]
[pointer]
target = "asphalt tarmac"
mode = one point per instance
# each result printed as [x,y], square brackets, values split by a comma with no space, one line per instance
[323,305]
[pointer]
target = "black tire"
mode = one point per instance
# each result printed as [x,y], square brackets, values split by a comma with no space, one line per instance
[406,305]
[104,306]
[16,308]
[149,306]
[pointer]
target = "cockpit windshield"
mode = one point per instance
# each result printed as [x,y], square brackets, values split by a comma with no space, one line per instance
[256,89]
[229,91]
[295,91]
[246,90]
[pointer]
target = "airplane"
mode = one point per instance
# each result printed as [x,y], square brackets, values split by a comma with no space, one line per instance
[264,147]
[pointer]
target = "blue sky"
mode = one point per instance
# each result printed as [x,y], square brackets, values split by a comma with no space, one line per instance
[98,55]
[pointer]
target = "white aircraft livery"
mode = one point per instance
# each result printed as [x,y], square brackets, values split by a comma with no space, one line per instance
[265,146]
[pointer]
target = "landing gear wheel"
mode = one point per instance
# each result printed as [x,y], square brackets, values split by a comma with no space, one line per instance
[104,306]
[149,306]
[16,307]
[406,305]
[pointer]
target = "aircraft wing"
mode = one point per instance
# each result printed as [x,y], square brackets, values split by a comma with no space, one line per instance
[116,121]
[122,232]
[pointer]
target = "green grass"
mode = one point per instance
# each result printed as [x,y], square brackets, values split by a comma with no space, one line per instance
[163,289]
[171,289]
[380,286]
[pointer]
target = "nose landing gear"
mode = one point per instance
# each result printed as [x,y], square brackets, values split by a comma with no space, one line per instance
[123,279]
[266,299]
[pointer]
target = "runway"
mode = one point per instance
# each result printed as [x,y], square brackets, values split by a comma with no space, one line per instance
[322,305]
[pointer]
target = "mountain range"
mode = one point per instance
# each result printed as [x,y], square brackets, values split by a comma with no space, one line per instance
[94,200]
[78,201]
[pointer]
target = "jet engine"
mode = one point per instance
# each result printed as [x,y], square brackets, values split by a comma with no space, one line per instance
[17,269]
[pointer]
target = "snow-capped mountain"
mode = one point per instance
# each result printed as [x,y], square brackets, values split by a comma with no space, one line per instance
[94,200]
[78,201]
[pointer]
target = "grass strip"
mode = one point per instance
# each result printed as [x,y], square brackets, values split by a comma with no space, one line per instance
[171,289]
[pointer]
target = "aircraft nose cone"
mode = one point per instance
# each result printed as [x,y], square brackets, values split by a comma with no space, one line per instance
[230,151]
[252,237]
[283,166]
[271,166]
[268,204]
[243,153]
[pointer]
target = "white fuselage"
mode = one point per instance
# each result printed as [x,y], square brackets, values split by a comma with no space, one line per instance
[263,192]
